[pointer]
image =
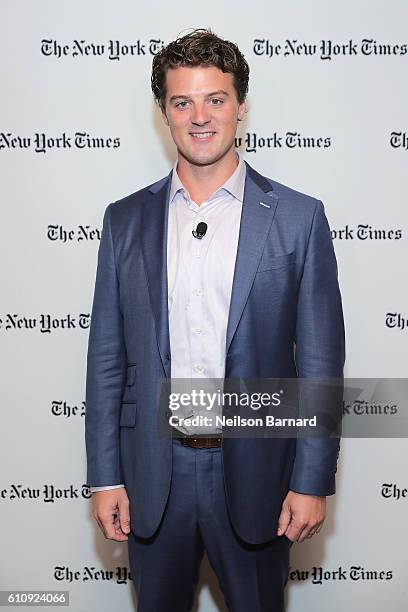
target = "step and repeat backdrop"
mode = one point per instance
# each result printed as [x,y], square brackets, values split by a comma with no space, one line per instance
[327,115]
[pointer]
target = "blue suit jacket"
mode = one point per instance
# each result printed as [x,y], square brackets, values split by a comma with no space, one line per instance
[285,293]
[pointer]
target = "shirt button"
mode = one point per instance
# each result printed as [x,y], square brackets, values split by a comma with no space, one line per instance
[199,368]
[197,292]
[198,330]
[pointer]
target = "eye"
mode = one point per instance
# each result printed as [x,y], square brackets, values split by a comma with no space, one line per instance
[217,100]
[181,103]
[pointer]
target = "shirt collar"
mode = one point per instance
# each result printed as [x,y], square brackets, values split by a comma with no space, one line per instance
[234,184]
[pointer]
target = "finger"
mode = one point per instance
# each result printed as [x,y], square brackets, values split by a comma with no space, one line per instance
[308,532]
[108,526]
[314,532]
[124,517]
[102,528]
[292,533]
[284,520]
[294,530]
[119,535]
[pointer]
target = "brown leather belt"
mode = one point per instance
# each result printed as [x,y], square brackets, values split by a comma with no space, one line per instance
[200,442]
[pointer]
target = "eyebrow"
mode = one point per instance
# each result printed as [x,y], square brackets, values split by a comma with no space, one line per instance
[213,93]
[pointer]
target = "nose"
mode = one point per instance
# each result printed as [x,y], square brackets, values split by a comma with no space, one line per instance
[200,115]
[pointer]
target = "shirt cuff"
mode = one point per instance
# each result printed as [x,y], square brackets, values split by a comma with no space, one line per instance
[94,489]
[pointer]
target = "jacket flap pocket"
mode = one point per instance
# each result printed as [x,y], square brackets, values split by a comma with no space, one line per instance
[278,261]
[128,414]
[130,375]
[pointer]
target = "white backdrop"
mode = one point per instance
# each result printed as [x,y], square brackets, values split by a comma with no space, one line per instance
[338,131]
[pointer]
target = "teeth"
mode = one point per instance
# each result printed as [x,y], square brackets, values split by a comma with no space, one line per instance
[203,135]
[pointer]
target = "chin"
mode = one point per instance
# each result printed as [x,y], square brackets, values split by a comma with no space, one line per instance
[204,159]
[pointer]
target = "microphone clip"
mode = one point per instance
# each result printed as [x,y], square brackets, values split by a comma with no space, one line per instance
[200,231]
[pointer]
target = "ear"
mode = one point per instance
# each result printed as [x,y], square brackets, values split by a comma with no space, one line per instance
[242,110]
[166,121]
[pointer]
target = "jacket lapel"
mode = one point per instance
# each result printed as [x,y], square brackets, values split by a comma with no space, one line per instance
[258,211]
[154,248]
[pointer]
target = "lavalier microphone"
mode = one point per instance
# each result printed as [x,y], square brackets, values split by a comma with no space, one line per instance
[200,231]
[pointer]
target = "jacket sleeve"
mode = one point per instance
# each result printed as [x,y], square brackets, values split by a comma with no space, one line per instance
[320,352]
[106,367]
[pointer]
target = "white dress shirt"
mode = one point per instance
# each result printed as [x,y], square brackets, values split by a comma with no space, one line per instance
[200,274]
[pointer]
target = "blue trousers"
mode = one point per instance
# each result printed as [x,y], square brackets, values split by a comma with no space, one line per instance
[165,567]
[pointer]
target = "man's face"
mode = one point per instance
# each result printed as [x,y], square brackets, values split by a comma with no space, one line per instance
[202,101]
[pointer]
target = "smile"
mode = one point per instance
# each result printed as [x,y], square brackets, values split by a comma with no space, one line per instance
[202,135]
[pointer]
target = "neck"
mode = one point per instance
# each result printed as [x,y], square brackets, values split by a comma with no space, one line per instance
[202,181]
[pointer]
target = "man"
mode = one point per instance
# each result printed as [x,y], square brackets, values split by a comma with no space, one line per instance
[252,293]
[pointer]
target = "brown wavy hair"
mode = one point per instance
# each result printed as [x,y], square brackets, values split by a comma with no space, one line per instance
[202,47]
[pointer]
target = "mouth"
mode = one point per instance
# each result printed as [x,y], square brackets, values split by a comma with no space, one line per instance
[202,136]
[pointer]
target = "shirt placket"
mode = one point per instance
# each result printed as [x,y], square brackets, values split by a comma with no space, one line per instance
[195,310]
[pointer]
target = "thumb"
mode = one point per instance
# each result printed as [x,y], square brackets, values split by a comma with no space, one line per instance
[124,517]
[284,519]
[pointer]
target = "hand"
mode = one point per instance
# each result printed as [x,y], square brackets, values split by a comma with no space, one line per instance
[111,511]
[301,516]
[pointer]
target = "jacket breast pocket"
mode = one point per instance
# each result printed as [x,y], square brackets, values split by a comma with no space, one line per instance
[277,261]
